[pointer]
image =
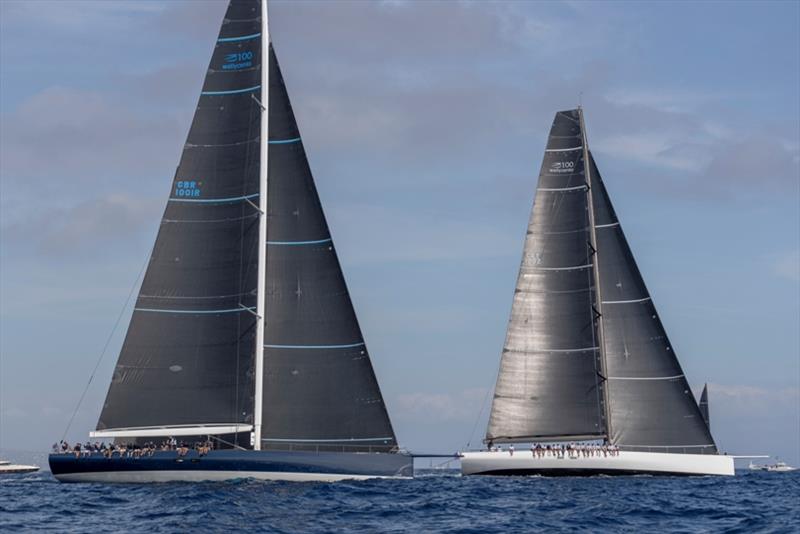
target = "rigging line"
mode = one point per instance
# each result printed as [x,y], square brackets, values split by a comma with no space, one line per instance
[477,419]
[108,342]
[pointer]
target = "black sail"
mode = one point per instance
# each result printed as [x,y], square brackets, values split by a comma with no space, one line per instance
[319,386]
[703,405]
[188,355]
[650,403]
[548,385]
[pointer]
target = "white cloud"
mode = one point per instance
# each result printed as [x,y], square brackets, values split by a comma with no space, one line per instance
[788,266]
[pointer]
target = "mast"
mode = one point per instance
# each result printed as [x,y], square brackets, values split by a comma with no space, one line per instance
[262,229]
[596,271]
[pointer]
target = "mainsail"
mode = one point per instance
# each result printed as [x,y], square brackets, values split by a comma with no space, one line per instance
[191,355]
[188,355]
[586,355]
[549,384]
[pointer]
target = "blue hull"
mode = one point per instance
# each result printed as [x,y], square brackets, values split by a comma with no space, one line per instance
[167,466]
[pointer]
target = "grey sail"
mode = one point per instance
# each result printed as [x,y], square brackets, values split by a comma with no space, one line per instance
[319,386]
[703,405]
[188,355]
[549,384]
[650,403]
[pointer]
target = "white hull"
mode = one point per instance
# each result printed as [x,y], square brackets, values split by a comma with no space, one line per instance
[11,469]
[523,462]
[204,476]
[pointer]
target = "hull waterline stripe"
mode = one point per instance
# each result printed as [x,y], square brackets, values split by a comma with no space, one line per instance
[283,141]
[610,225]
[230,310]
[213,200]
[293,243]
[644,378]
[577,267]
[287,440]
[552,189]
[349,346]
[564,149]
[241,38]
[232,92]
[626,301]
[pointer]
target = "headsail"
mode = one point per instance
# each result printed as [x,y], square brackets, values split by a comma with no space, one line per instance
[319,385]
[549,384]
[703,405]
[187,358]
[650,403]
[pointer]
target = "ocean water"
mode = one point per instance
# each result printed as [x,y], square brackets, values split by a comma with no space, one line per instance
[435,501]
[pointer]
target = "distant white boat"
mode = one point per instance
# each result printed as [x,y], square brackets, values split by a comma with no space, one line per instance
[778,467]
[781,467]
[7,468]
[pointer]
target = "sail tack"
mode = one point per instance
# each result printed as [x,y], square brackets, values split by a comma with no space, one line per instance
[650,403]
[548,385]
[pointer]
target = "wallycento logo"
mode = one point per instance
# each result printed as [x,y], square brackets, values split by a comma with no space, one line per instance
[562,166]
[187,188]
[239,60]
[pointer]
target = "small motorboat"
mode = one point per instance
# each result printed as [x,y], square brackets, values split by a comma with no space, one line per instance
[777,467]
[780,467]
[7,468]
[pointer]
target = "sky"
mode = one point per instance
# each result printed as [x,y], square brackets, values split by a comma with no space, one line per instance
[425,125]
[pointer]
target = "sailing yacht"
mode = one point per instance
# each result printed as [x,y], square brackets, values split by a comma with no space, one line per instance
[586,359]
[243,333]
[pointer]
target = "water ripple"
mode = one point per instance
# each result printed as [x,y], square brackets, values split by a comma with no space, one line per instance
[747,503]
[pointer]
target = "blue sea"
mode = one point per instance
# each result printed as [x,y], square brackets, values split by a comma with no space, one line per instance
[435,501]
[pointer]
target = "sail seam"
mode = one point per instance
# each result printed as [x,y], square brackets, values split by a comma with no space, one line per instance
[564,149]
[610,225]
[231,92]
[644,377]
[229,310]
[575,268]
[217,145]
[585,349]
[291,243]
[633,301]
[575,188]
[213,200]
[209,220]
[348,346]
[240,38]
[283,141]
